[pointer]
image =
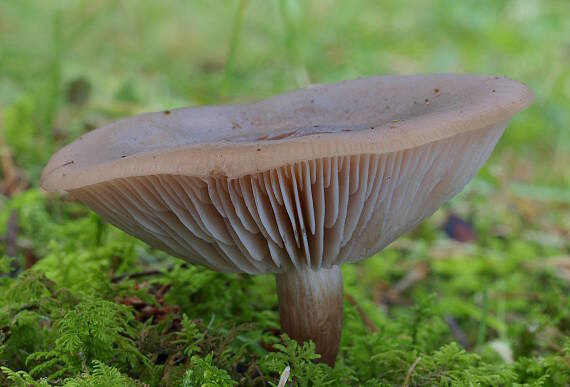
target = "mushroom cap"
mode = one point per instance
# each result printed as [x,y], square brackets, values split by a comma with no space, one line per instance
[315,177]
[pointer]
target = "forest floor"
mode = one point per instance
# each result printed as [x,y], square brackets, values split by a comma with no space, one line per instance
[478,294]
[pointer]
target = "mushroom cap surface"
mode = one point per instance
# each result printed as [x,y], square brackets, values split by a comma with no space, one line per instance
[316,177]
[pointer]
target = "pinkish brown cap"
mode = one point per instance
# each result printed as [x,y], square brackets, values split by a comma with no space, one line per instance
[317,176]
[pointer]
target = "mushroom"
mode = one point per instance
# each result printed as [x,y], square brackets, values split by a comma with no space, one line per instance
[294,185]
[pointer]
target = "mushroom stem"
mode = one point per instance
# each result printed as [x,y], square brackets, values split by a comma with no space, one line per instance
[310,308]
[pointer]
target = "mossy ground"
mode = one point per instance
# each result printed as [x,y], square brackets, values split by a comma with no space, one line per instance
[479,298]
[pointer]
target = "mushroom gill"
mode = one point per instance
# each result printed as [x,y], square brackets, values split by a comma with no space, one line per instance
[316,213]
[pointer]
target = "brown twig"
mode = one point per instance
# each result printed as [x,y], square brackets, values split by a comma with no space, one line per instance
[258,370]
[410,371]
[12,181]
[559,264]
[418,273]
[371,326]
[12,234]
[141,274]
[457,332]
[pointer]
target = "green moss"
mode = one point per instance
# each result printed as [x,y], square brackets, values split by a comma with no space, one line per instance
[75,318]
[494,311]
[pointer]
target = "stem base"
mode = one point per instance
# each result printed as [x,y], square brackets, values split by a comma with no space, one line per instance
[310,308]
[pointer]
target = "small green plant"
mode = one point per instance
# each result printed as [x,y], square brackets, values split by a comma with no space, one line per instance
[304,370]
[84,304]
[204,373]
[101,375]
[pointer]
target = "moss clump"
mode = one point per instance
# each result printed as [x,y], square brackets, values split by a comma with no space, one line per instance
[82,303]
[91,312]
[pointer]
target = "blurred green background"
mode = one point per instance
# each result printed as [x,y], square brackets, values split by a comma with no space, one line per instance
[74,65]
[69,66]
